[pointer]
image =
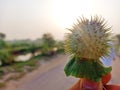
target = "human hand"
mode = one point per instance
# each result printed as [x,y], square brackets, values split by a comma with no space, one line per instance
[76,86]
[85,84]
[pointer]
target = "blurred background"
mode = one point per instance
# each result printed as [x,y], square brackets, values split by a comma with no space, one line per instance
[31,40]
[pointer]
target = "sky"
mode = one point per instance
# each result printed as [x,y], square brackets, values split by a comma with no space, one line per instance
[30,19]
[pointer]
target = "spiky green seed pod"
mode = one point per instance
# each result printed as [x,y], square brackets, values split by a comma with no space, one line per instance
[88,38]
[86,43]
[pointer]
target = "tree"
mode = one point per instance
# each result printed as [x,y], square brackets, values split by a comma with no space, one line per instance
[6,57]
[2,36]
[118,37]
[48,42]
[2,42]
[117,43]
[48,39]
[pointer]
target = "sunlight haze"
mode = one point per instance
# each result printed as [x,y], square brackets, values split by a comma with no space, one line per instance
[23,19]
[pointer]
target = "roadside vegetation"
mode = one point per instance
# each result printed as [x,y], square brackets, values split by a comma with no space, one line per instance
[13,61]
[116,40]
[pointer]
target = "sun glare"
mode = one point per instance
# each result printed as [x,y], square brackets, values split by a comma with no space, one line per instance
[67,11]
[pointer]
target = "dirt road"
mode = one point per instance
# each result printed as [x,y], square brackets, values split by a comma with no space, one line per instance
[51,76]
[116,71]
[53,79]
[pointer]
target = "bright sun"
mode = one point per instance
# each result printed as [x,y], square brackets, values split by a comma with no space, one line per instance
[67,11]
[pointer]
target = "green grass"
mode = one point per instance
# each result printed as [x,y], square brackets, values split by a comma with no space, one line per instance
[32,63]
[19,66]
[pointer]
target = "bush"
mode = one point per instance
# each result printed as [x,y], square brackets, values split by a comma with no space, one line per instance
[6,57]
